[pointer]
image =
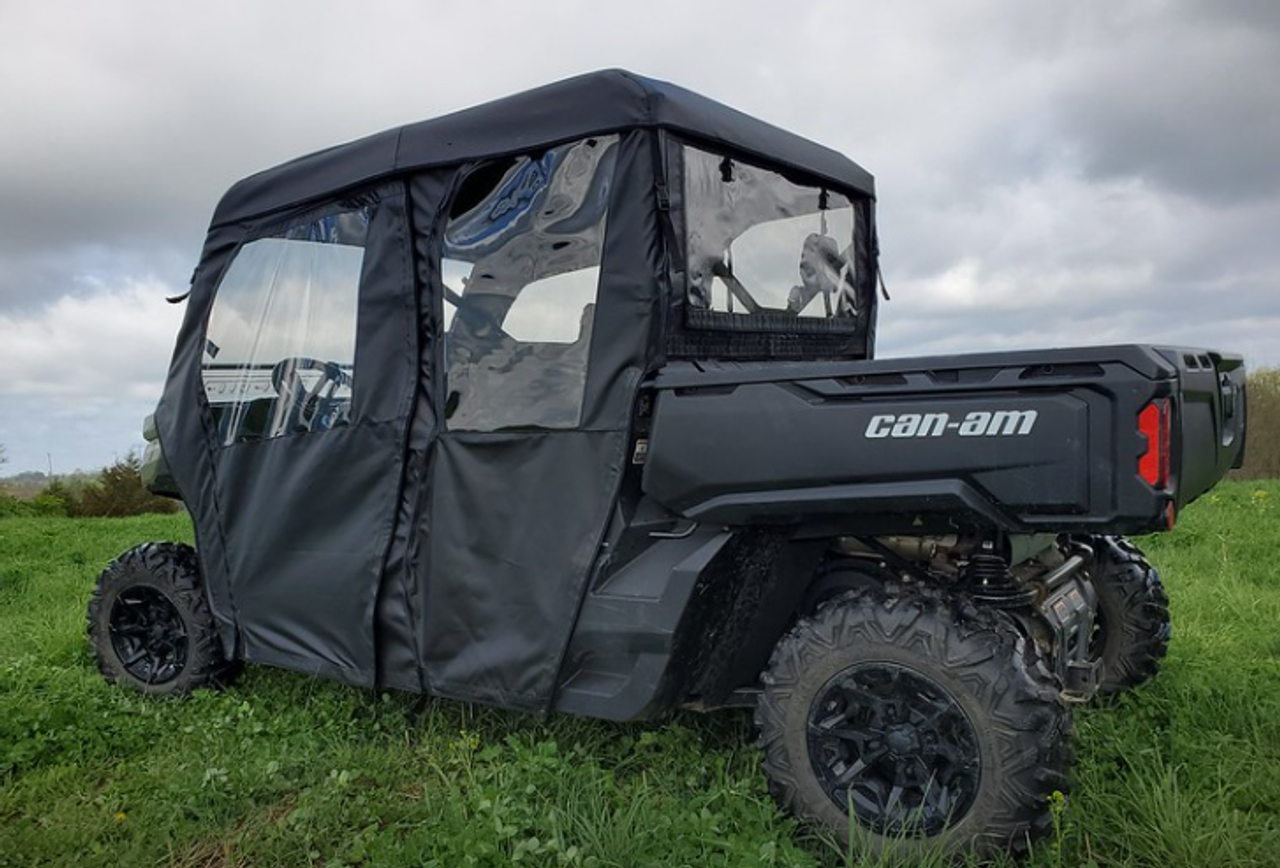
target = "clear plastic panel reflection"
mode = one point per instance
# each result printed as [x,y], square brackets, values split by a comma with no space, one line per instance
[280,346]
[760,245]
[521,270]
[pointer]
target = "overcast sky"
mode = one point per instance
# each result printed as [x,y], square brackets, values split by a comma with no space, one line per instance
[1049,173]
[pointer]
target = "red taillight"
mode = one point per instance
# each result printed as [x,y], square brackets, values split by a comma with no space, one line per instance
[1153,424]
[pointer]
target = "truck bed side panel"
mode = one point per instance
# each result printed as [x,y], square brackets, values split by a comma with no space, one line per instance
[1022,441]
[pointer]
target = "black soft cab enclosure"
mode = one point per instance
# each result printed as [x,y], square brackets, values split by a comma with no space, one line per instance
[401,405]
[568,401]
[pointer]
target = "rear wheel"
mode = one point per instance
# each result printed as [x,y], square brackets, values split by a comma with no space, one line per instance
[150,625]
[903,723]
[1131,627]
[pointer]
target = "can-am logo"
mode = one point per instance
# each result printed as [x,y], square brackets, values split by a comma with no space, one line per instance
[977,423]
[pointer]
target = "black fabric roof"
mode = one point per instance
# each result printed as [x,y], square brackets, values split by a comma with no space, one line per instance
[598,102]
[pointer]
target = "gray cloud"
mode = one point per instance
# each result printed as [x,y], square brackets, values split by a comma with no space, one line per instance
[1181,94]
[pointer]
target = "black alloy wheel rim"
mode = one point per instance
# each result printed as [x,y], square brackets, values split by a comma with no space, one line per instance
[895,748]
[148,635]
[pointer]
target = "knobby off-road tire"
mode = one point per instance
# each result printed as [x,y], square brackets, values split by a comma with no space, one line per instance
[150,625]
[1131,628]
[930,718]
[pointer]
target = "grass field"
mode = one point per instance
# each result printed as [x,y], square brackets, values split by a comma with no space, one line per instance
[285,770]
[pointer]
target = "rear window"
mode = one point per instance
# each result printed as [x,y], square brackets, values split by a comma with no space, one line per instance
[768,254]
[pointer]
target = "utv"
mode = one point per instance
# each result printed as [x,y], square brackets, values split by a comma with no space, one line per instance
[568,402]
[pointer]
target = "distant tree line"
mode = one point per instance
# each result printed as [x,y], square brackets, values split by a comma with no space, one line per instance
[1262,431]
[115,491]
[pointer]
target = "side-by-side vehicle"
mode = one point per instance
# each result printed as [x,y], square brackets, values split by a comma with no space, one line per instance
[568,402]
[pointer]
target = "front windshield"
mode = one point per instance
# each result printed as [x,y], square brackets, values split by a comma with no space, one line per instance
[760,244]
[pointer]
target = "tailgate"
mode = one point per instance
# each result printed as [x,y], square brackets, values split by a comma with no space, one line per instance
[1209,420]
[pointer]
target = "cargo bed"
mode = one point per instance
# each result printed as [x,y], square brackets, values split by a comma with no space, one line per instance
[1097,439]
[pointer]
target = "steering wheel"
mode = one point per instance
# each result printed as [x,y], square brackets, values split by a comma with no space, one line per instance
[313,408]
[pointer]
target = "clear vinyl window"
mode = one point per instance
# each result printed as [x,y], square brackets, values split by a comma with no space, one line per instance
[280,345]
[762,246]
[521,269]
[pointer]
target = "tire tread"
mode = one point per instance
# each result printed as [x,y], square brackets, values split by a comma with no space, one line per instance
[1130,592]
[987,650]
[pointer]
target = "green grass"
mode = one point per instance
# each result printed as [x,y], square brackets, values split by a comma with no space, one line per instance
[286,770]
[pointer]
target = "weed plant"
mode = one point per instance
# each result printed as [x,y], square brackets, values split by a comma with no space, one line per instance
[282,769]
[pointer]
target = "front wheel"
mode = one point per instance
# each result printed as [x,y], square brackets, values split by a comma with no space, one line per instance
[150,625]
[903,722]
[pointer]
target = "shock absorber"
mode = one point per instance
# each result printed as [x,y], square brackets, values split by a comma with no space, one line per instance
[987,580]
